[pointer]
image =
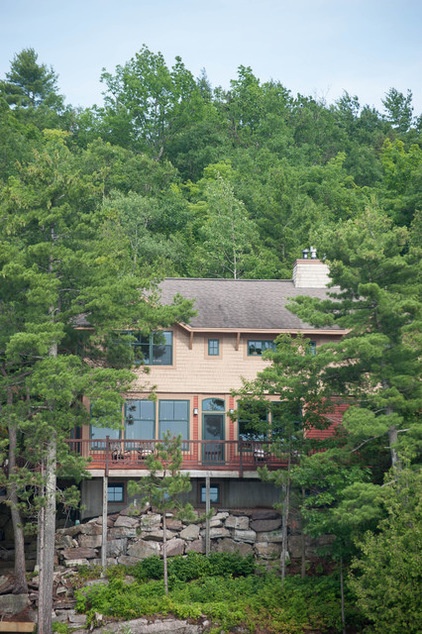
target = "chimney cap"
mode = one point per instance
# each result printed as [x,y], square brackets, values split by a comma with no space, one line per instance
[305,254]
[313,253]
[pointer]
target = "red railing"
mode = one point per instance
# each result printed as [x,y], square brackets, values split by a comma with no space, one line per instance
[205,455]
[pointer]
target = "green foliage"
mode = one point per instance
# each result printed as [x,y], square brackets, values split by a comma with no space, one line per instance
[252,602]
[195,566]
[387,575]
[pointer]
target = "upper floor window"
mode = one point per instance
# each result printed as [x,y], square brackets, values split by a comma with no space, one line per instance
[213,347]
[257,346]
[312,347]
[153,349]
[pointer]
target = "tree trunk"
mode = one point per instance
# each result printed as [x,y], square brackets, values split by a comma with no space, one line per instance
[166,581]
[20,583]
[284,522]
[392,441]
[302,545]
[47,530]
[343,613]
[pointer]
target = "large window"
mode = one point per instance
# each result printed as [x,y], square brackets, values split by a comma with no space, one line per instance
[174,417]
[99,435]
[153,349]
[257,346]
[253,421]
[140,420]
[286,422]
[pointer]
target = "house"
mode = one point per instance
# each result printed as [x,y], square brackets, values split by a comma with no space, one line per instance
[193,369]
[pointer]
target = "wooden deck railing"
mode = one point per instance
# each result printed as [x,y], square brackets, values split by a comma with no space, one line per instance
[202,455]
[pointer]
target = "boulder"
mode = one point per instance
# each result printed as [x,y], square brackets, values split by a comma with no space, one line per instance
[175,547]
[240,522]
[244,536]
[265,526]
[143,549]
[190,533]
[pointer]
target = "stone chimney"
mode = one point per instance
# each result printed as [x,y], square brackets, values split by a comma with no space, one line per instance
[309,272]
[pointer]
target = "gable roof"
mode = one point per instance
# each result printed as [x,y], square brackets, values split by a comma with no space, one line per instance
[242,305]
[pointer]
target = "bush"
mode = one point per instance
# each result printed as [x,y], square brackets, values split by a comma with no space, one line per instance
[195,566]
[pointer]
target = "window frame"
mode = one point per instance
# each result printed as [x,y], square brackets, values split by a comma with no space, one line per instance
[260,348]
[213,347]
[116,486]
[133,416]
[173,419]
[147,343]
[203,490]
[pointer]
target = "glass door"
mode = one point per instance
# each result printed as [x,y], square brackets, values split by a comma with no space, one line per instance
[213,434]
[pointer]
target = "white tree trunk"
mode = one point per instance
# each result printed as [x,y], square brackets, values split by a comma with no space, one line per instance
[47,531]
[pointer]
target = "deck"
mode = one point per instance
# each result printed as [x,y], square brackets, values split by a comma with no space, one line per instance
[197,455]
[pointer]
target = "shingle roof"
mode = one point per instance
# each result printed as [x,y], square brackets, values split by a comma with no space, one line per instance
[240,304]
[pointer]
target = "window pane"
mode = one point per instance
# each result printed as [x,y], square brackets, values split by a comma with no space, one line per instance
[176,428]
[181,410]
[99,434]
[115,493]
[140,419]
[258,346]
[213,347]
[213,405]
[174,417]
[214,493]
[253,421]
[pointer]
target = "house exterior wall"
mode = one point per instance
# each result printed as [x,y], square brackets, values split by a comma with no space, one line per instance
[233,494]
[194,371]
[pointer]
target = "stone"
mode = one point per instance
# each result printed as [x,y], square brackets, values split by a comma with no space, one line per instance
[295,543]
[174,524]
[75,563]
[244,536]
[272,536]
[175,547]
[78,553]
[116,547]
[70,530]
[150,521]
[126,521]
[195,546]
[6,584]
[121,532]
[265,526]
[190,533]
[11,604]
[240,522]
[266,550]
[90,541]
[264,514]
[219,532]
[91,528]
[64,541]
[157,535]
[228,545]
[143,549]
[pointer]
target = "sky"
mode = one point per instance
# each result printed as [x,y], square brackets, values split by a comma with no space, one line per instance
[318,48]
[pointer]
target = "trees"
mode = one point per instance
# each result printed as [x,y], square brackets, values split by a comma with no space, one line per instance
[387,574]
[57,263]
[303,403]
[29,83]
[379,361]
[164,485]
